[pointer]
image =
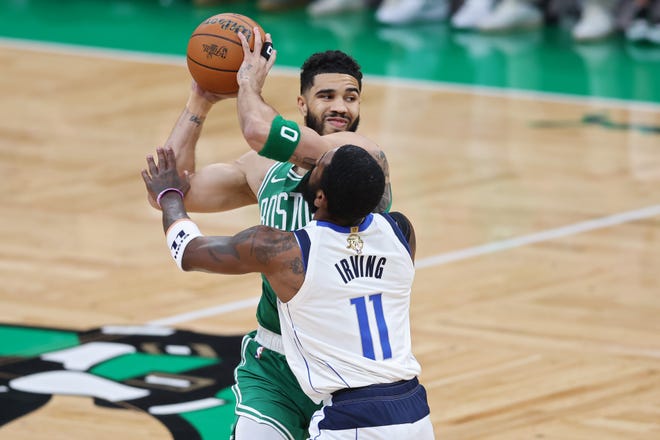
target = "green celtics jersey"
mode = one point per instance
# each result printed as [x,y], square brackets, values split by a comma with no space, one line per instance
[281,207]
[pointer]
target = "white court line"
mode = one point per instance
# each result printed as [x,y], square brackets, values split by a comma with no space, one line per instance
[180,60]
[463,254]
[538,237]
[204,313]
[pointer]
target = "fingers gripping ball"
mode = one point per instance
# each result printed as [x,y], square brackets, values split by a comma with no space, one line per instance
[215,54]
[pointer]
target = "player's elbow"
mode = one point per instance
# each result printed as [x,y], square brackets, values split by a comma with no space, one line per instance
[255,133]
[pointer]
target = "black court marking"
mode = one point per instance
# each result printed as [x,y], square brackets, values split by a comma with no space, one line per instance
[202,363]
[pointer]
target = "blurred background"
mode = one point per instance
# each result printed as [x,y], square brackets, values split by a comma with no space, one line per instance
[602,48]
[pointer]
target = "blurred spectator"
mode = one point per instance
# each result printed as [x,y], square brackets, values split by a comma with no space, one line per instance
[470,13]
[279,5]
[512,15]
[596,20]
[263,5]
[641,20]
[399,12]
[328,7]
[498,16]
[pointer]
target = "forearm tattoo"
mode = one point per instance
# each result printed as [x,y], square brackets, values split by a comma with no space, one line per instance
[386,200]
[196,119]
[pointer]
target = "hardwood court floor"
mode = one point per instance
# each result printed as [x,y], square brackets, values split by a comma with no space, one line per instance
[551,331]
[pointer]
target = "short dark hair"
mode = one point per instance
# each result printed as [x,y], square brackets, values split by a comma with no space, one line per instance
[353,183]
[330,61]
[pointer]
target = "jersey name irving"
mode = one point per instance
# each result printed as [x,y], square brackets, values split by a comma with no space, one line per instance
[359,266]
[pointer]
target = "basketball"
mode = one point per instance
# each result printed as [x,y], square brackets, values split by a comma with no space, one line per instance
[215,54]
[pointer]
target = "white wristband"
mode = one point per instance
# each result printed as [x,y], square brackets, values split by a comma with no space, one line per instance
[179,234]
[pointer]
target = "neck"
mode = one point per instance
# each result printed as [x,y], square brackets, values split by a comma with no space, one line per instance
[323,215]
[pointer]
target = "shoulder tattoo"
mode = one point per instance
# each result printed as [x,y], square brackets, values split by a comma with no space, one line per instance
[267,245]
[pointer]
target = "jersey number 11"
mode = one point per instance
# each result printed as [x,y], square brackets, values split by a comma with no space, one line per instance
[365,332]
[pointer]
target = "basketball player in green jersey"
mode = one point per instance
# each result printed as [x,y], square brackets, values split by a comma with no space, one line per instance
[269,401]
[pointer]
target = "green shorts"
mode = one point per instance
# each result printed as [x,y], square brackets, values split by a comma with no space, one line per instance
[267,391]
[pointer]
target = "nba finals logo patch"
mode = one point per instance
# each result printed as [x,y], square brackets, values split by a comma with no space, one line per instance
[354,241]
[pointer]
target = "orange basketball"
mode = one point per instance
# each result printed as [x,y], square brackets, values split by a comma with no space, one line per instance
[215,53]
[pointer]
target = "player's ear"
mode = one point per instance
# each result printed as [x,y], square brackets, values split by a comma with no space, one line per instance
[320,201]
[302,106]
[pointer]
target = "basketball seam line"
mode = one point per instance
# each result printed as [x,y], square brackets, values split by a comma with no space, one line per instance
[217,36]
[212,68]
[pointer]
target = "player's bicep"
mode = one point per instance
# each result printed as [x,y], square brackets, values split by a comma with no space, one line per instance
[218,187]
[225,255]
[257,249]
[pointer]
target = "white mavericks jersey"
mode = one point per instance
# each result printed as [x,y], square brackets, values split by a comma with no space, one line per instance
[349,324]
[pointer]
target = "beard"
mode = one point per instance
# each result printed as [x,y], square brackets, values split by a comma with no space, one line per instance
[316,124]
[308,191]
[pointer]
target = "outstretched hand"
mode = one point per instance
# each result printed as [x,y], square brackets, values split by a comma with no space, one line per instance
[255,66]
[162,176]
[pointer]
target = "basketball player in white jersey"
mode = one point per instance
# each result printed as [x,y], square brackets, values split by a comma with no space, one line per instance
[343,287]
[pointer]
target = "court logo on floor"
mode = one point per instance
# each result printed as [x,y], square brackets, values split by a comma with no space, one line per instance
[600,120]
[181,378]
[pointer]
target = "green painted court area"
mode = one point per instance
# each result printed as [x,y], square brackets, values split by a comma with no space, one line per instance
[546,60]
[26,341]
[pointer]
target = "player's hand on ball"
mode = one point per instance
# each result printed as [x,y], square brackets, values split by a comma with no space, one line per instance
[164,175]
[256,63]
[210,96]
[214,51]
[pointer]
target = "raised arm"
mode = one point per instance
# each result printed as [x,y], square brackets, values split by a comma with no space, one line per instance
[188,127]
[260,249]
[271,136]
[257,117]
[216,187]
